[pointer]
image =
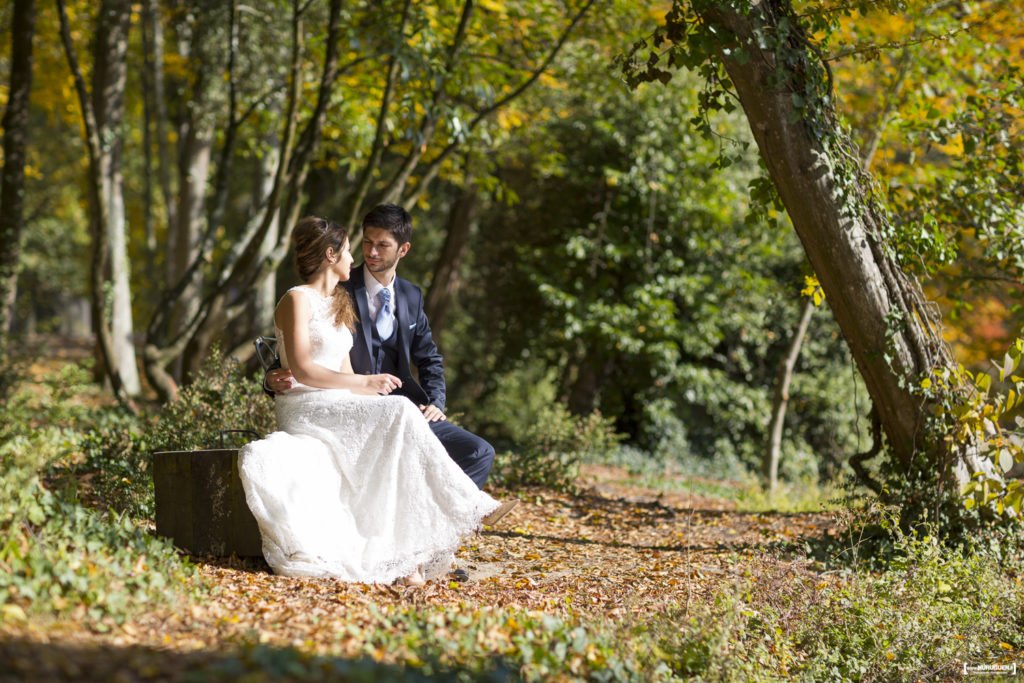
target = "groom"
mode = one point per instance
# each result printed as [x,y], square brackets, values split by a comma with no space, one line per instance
[394,335]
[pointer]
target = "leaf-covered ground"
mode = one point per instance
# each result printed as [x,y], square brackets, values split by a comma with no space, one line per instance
[616,552]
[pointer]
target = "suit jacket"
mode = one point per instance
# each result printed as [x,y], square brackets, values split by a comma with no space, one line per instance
[415,341]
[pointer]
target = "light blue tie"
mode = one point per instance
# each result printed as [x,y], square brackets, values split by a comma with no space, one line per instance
[385,323]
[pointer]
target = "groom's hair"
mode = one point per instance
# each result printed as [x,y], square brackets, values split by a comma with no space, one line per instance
[392,218]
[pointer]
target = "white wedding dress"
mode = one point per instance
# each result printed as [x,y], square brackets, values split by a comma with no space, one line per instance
[354,487]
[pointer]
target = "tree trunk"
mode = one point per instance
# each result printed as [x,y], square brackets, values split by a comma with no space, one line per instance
[446,271]
[840,232]
[771,457]
[155,64]
[97,141]
[194,171]
[12,181]
[110,75]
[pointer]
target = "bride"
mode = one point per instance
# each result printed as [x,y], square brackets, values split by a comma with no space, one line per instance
[354,486]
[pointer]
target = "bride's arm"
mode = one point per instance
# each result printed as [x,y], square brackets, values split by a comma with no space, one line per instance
[346,369]
[292,317]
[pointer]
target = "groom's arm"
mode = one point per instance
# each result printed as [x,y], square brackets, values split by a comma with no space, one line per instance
[424,355]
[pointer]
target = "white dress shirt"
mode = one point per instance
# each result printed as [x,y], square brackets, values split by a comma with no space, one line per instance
[373,287]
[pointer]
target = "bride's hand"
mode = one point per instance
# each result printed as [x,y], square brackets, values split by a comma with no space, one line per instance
[382,384]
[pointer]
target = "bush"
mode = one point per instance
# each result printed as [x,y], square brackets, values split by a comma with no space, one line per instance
[219,398]
[932,608]
[119,447]
[56,556]
[550,450]
[539,442]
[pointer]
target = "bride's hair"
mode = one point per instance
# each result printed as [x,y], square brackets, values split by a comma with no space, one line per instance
[311,237]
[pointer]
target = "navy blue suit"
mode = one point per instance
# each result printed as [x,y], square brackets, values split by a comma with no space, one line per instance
[416,348]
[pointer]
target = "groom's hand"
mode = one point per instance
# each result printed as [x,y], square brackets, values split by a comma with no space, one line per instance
[432,413]
[279,380]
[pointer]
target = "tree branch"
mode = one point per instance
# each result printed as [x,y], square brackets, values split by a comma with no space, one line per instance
[857,461]
[435,164]
[377,149]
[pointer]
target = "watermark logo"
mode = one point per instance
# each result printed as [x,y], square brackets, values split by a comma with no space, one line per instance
[990,669]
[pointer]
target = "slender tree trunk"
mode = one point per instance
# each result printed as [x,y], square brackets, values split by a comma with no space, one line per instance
[12,181]
[97,141]
[865,286]
[770,464]
[266,291]
[194,167]
[586,386]
[449,261]
[109,78]
[149,218]
[155,65]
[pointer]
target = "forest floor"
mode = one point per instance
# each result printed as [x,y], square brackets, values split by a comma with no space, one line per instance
[613,551]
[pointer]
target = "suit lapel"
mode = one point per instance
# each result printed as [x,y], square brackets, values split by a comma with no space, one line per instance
[402,317]
[359,294]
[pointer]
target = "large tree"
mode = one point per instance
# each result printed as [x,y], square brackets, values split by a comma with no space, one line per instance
[765,55]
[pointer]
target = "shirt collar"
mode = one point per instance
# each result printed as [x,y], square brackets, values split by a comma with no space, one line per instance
[373,286]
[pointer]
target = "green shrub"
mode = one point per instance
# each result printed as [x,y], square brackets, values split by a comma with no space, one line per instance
[551,448]
[118,463]
[932,607]
[119,447]
[219,398]
[539,442]
[497,642]
[56,556]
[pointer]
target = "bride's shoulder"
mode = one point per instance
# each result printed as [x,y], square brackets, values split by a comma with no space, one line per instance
[296,297]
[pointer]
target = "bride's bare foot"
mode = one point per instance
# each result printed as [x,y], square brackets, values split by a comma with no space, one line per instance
[414,579]
[503,509]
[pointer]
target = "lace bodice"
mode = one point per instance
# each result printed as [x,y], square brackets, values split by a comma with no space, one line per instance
[328,343]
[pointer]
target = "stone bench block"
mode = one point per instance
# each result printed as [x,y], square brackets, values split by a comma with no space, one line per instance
[200,503]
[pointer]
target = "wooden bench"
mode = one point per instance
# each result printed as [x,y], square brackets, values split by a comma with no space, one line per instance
[200,503]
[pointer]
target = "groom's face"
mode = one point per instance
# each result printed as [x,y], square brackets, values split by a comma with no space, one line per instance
[381,251]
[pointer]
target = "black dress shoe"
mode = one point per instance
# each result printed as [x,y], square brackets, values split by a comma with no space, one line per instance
[458,575]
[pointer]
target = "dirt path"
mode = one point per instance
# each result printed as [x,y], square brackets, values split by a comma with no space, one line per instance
[615,551]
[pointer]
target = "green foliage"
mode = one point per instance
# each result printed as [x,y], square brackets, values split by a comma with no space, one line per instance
[974,411]
[58,557]
[640,280]
[220,397]
[549,452]
[119,447]
[456,643]
[932,608]
[534,645]
[544,443]
[118,462]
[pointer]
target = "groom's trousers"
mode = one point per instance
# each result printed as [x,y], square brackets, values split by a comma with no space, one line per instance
[471,453]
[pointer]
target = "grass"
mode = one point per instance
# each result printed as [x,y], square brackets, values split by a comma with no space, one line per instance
[742,489]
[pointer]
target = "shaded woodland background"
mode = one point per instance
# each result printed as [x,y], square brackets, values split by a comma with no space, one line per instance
[582,246]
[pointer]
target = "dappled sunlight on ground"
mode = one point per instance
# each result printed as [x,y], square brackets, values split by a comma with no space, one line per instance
[614,551]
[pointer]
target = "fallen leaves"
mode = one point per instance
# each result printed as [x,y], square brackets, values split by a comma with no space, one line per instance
[613,552]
